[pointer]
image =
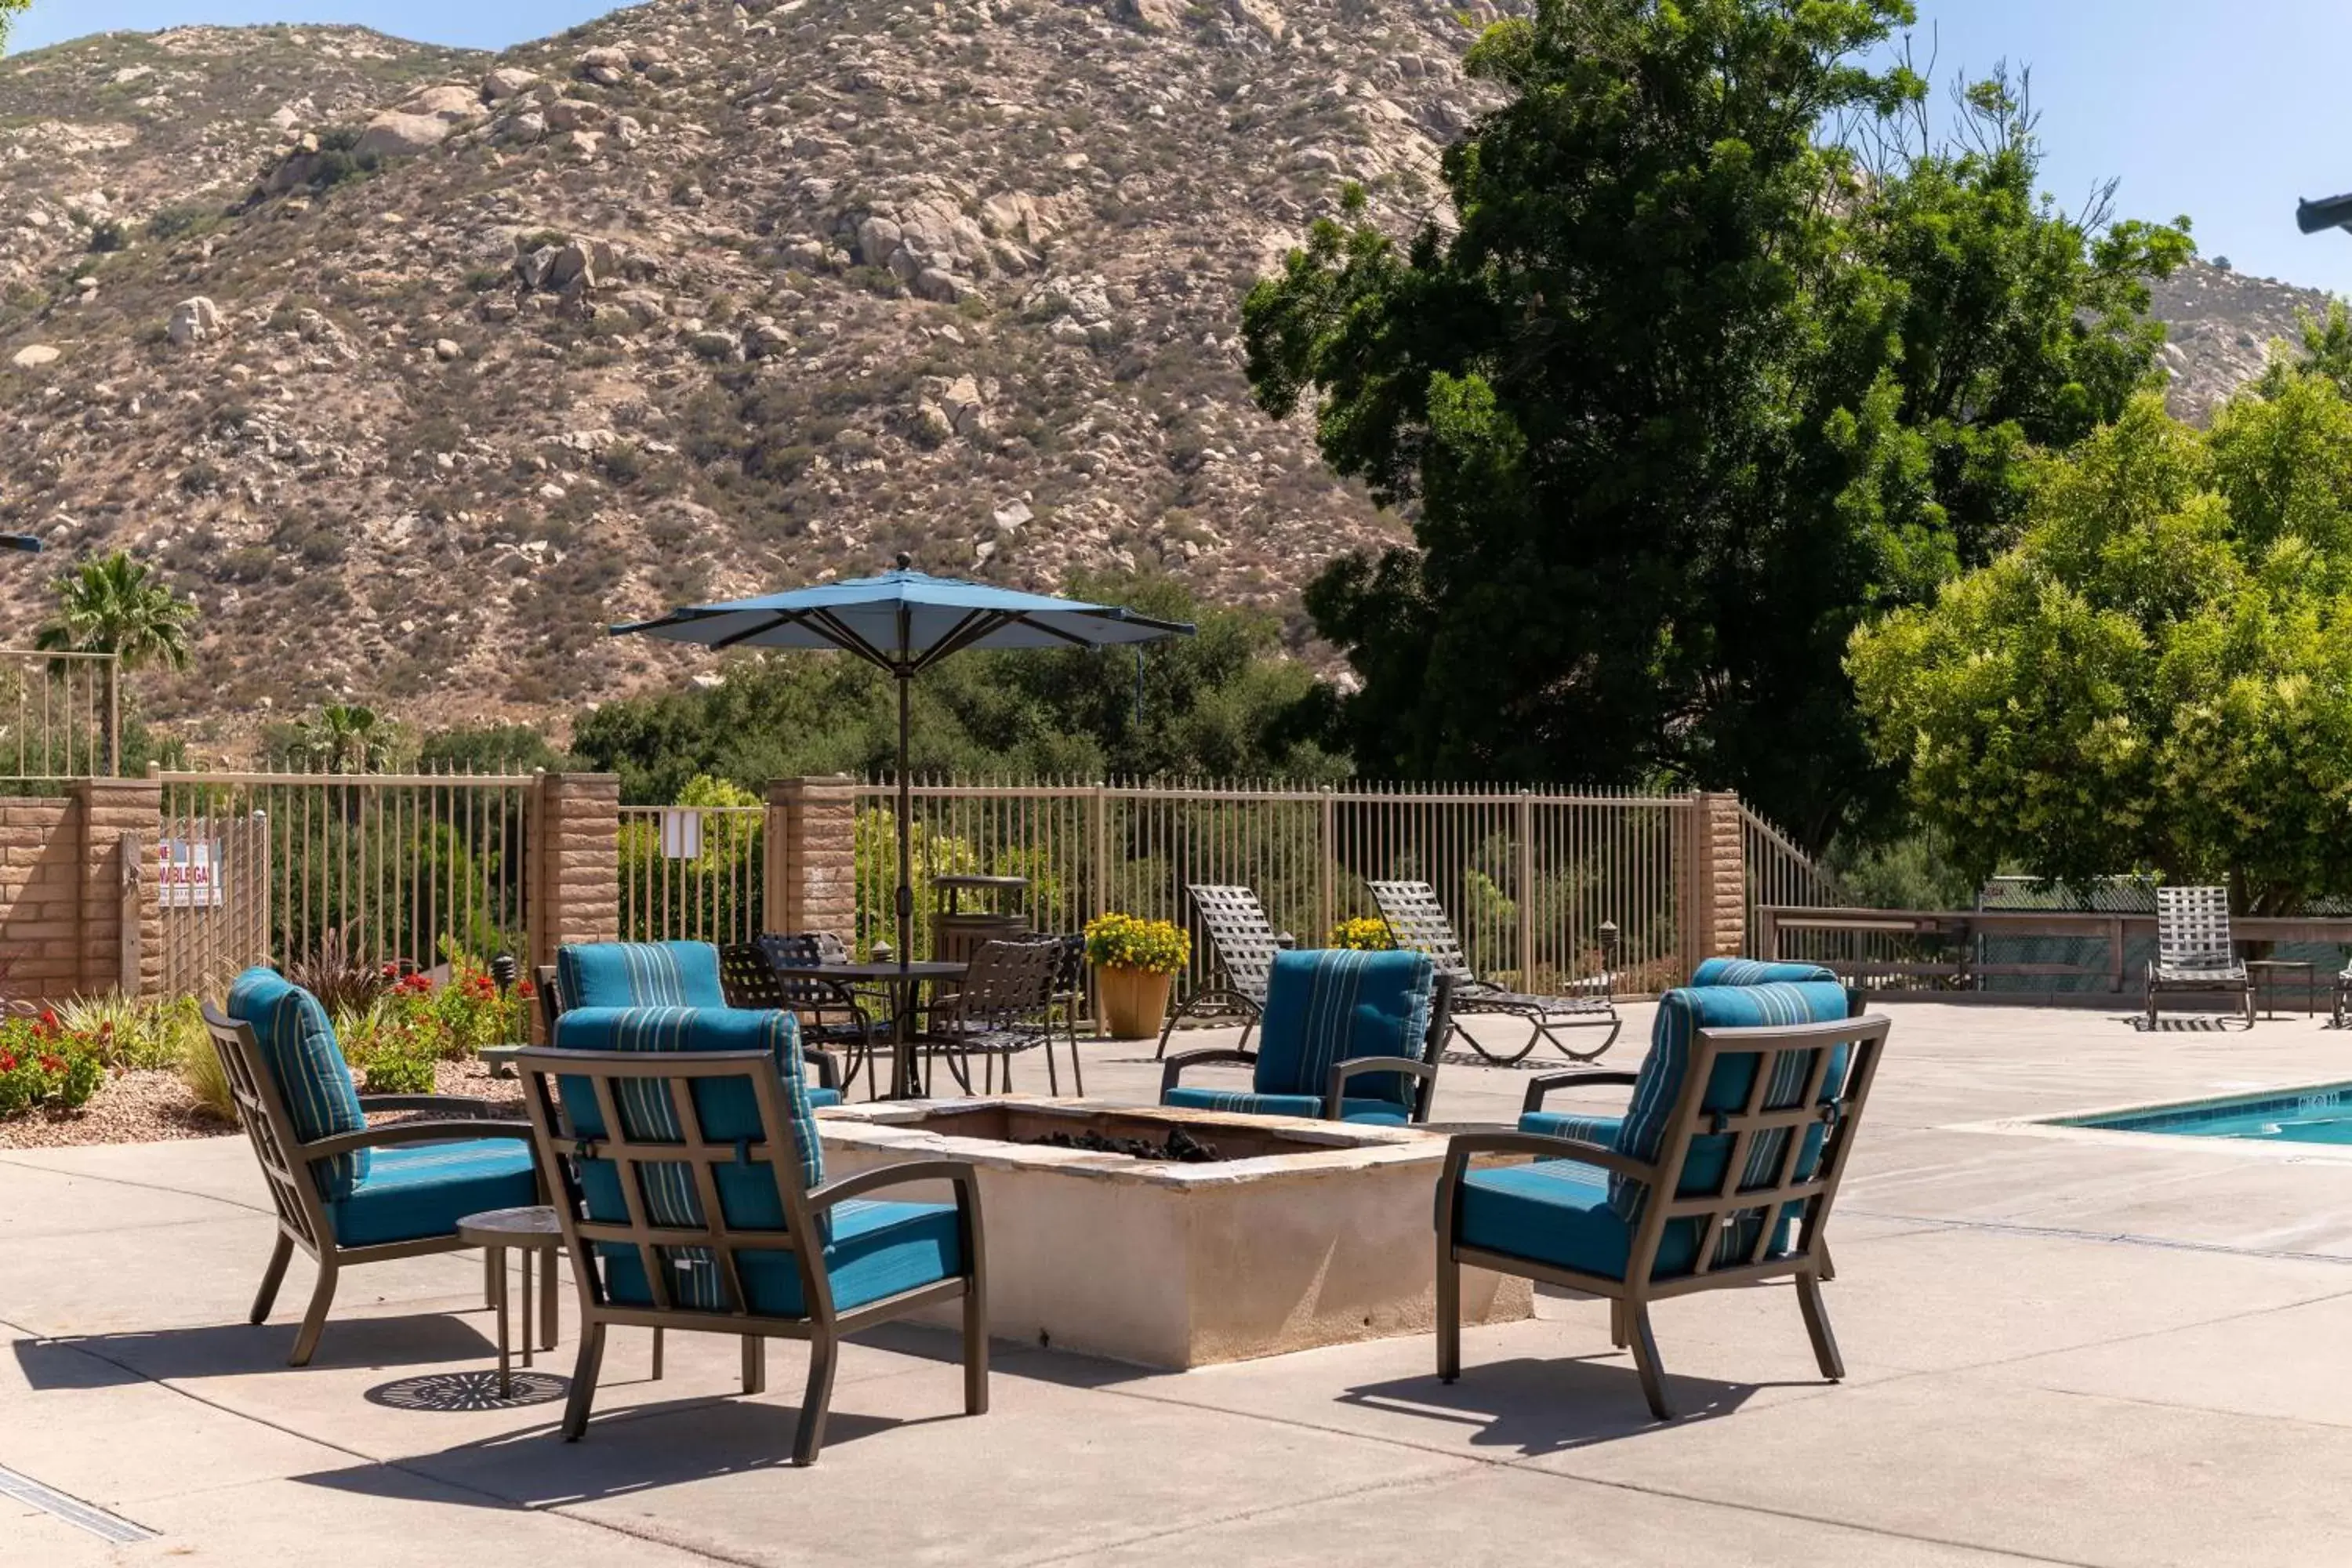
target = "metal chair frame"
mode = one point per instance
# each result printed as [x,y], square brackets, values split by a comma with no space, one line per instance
[1807,1260]
[2194,952]
[1004,1007]
[561,1147]
[747,971]
[1245,943]
[304,1220]
[1417,920]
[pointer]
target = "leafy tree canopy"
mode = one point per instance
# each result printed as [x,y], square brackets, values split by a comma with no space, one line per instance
[1220,704]
[2159,676]
[1723,357]
[9,10]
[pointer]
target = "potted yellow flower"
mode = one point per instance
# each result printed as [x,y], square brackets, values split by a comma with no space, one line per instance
[1135,964]
[1361,933]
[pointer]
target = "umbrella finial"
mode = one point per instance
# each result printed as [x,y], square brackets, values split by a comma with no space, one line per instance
[906,562]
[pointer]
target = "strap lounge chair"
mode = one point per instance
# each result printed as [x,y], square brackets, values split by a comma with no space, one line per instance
[1244,943]
[692,1194]
[1345,1036]
[1722,1172]
[1416,919]
[2193,950]
[610,974]
[346,1193]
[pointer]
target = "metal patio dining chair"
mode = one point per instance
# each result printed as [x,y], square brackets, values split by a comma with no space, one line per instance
[1722,1172]
[1416,919]
[831,1014]
[1002,1007]
[691,1192]
[2194,952]
[346,1193]
[1244,943]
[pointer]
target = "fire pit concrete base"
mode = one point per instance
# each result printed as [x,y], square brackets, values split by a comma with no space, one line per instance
[1305,1234]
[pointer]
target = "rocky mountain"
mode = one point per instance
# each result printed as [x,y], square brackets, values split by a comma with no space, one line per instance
[2220,327]
[416,367]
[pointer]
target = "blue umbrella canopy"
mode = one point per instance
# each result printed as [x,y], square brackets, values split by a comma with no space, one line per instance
[24,541]
[905,621]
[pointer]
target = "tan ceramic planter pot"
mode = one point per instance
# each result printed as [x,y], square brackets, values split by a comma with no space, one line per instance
[1134,1001]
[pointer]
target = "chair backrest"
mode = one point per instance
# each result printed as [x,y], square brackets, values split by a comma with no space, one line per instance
[295,1045]
[1008,979]
[684,1160]
[640,975]
[1070,974]
[1326,1006]
[800,948]
[1416,921]
[1750,1094]
[262,1111]
[747,979]
[2192,928]
[1240,934]
[1757,972]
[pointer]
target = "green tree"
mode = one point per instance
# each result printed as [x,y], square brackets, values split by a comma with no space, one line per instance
[2159,676]
[488,749]
[9,11]
[115,604]
[342,738]
[1712,369]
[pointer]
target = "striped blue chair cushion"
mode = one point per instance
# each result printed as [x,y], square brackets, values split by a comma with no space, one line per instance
[1681,1013]
[876,1249]
[728,1110]
[639,974]
[1330,1006]
[1582,1126]
[1557,1212]
[299,1053]
[416,1190]
[1754,972]
[1378,1112]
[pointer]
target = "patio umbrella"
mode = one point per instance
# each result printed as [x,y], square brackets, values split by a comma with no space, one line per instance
[24,541]
[904,622]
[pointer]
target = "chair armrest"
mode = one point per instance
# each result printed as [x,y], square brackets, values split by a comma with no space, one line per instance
[456,1104]
[1176,1064]
[1540,1087]
[1335,1090]
[827,1064]
[434,1132]
[962,1173]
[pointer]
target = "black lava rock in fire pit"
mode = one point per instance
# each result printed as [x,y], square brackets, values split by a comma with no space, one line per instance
[1181,1147]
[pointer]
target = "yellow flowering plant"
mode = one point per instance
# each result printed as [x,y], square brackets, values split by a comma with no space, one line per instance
[1126,942]
[1362,933]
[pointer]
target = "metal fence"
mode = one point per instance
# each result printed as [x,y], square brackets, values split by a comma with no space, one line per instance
[381,868]
[1779,875]
[1544,887]
[692,872]
[60,715]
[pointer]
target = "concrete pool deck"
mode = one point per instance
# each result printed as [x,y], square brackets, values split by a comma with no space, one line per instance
[2131,1350]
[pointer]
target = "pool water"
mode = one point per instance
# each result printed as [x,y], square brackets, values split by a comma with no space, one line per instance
[2322,1115]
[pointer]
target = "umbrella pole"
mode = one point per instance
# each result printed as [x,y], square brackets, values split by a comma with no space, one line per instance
[906,902]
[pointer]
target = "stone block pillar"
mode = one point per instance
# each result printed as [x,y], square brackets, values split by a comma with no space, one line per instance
[41,897]
[1714,879]
[812,856]
[122,883]
[575,851]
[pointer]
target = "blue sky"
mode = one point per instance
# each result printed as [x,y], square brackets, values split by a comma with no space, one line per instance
[2224,111]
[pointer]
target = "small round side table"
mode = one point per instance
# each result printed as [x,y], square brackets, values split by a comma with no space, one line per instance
[532,1232]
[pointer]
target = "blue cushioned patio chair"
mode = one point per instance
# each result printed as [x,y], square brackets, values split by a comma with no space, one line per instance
[1344,1036]
[692,1194]
[346,1193]
[1722,1172]
[664,974]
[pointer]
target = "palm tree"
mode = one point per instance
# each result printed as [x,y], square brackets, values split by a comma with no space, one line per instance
[345,738]
[115,604]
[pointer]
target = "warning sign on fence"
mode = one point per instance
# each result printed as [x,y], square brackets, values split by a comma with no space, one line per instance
[191,873]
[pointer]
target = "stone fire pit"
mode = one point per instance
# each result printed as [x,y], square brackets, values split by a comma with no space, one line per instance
[1299,1234]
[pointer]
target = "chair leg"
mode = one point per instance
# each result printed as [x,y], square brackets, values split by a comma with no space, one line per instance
[975,1350]
[657,1355]
[492,1266]
[1645,1361]
[823,1348]
[1053,1078]
[546,1304]
[1817,1325]
[1078,1071]
[314,1320]
[583,1380]
[1828,1265]
[1449,1317]
[1617,1334]
[755,1364]
[271,1276]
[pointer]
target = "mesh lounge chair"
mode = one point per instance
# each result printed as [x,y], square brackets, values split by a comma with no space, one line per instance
[347,1192]
[1244,943]
[1416,919]
[609,974]
[2193,950]
[1721,1173]
[1004,1006]
[692,1194]
[1345,1036]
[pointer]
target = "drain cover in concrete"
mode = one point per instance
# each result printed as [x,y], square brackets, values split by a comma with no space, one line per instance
[73,1510]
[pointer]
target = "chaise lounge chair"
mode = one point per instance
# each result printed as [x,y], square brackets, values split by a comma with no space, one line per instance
[1416,919]
[2193,949]
[1345,1036]
[1244,943]
[1768,1081]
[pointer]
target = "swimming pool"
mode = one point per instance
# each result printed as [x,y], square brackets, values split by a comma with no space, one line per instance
[2318,1115]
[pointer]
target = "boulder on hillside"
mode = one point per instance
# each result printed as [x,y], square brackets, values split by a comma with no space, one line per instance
[1152,16]
[606,66]
[507,81]
[35,356]
[447,101]
[194,320]
[399,135]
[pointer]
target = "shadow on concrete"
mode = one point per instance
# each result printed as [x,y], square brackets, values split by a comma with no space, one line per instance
[231,1350]
[2188,1022]
[469,1390]
[1546,1406]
